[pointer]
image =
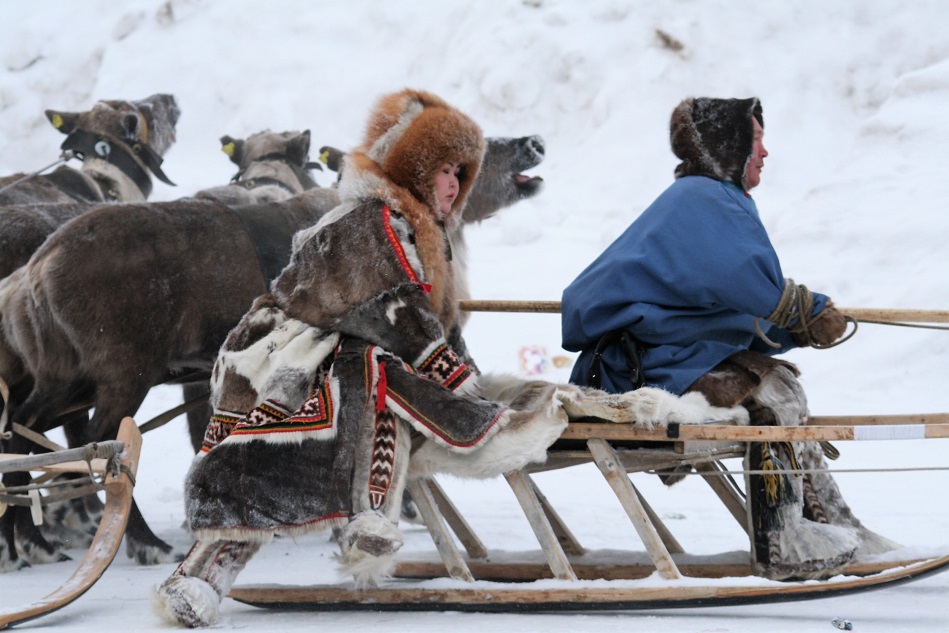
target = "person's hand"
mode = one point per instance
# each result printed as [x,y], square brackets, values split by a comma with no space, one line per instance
[825,327]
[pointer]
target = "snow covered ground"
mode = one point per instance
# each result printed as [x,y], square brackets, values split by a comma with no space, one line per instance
[854,196]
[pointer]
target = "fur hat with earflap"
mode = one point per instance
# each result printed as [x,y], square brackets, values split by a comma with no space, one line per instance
[411,134]
[714,137]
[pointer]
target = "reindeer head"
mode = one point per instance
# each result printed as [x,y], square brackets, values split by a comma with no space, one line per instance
[502,181]
[267,155]
[150,121]
[120,141]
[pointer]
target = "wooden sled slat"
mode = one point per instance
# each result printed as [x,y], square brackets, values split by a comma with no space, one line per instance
[516,567]
[106,542]
[574,596]
[725,433]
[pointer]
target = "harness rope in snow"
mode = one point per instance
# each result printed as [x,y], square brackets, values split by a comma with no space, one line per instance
[65,156]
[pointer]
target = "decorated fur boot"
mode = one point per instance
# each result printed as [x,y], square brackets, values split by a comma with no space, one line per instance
[785,544]
[192,595]
[368,545]
[824,503]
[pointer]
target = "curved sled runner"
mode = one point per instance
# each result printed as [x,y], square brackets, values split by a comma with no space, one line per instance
[118,483]
[500,598]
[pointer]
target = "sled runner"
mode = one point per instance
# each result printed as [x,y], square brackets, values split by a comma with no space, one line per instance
[116,462]
[564,576]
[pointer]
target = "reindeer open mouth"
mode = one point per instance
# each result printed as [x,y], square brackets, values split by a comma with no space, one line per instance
[529,153]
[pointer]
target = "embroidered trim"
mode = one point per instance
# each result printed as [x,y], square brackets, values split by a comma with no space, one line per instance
[400,252]
[383,457]
[444,367]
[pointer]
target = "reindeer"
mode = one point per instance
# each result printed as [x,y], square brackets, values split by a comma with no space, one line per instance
[272,166]
[119,143]
[118,301]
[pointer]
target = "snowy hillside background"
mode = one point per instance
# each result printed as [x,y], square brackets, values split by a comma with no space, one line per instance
[854,195]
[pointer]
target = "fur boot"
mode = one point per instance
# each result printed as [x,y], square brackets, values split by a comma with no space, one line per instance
[826,504]
[192,595]
[369,543]
[785,543]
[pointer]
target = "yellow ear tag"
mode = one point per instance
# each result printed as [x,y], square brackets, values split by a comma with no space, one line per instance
[57,121]
[325,157]
[228,149]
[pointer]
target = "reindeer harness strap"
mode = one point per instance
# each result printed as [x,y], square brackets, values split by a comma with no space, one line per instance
[302,176]
[130,161]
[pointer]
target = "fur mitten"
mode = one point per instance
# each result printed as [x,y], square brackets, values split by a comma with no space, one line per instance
[824,328]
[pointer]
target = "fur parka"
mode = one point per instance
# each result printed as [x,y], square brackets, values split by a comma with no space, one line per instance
[355,325]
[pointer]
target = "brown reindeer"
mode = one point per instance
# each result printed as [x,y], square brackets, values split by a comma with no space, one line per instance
[123,132]
[120,143]
[272,166]
[118,301]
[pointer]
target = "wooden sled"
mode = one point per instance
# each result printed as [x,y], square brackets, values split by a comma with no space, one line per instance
[661,577]
[117,463]
[664,575]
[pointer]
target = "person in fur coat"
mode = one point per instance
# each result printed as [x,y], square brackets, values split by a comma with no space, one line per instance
[695,282]
[351,374]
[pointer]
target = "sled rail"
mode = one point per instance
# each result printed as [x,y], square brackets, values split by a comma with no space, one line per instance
[725,433]
[94,457]
[885,315]
[118,486]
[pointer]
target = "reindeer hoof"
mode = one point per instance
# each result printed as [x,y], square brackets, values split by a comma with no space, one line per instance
[7,565]
[154,554]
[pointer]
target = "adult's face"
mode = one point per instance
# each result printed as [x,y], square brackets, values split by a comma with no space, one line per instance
[756,162]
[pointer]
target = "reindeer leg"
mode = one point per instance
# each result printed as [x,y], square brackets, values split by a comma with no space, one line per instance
[36,413]
[73,522]
[112,404]
[198,417]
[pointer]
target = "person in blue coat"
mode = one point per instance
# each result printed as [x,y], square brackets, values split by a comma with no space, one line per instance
[692,298]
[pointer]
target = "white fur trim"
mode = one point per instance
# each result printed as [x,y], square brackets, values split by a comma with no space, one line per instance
[383,145]
[511,448]
[187,601]
[368,546]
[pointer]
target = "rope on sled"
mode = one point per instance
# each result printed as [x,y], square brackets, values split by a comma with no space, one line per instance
[810,471]
[797,302]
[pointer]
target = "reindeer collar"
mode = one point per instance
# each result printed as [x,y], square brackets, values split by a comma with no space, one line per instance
[131,163]
[302,176]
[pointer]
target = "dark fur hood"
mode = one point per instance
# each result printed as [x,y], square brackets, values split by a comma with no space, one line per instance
[714,137]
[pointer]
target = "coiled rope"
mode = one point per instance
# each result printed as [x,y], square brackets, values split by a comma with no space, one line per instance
[794,314]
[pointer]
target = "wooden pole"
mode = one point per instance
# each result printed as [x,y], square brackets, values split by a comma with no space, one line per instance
[886,315]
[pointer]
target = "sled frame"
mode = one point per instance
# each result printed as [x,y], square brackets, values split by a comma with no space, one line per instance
[618,451]
[118,485]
